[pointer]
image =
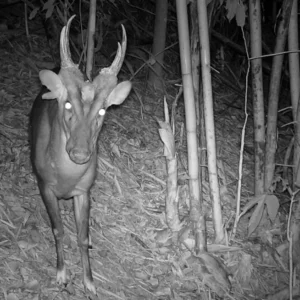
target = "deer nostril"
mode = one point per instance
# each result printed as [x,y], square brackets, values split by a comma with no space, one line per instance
[80,156]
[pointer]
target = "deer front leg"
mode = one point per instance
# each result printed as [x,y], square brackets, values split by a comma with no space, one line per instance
[82,214]
[51,203]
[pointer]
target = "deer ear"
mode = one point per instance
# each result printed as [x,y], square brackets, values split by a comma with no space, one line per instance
[118,94]
[54,84]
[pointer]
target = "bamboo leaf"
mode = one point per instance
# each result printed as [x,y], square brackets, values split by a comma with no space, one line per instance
[272,206]
[33,13]
[240,15]
[231,6]
[252,202]
[256,216]
[168,140]
[49,6]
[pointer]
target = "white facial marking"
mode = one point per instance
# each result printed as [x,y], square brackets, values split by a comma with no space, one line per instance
[87,92]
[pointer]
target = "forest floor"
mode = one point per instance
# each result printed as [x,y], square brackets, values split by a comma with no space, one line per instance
[132,255]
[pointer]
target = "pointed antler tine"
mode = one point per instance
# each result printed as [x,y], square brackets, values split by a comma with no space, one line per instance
[65,54]
[119,58]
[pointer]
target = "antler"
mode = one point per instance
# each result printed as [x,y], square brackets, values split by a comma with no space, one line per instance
[118,61]
[65,55]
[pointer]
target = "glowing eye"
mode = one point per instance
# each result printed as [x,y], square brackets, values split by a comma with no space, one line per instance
[101,112]
[68,105]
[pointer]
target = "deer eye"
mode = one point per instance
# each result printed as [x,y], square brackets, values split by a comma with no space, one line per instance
[68,105]
[102,112]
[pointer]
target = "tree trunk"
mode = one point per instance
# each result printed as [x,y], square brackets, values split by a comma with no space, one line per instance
[159,41]
[274,93]
[258,94]
[209,121]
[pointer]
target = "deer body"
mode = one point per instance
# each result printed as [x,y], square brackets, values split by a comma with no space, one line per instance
[65,122]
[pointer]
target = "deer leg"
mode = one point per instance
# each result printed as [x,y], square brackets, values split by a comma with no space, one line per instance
[51,203]
[82,213]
